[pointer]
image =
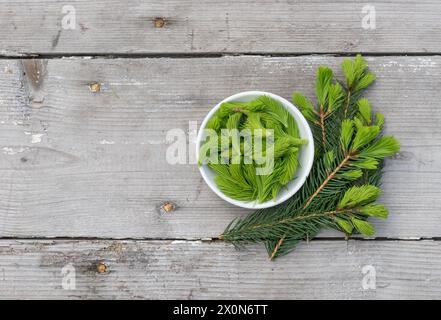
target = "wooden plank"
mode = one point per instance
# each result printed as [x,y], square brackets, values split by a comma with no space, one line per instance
[195,270]
[74,163]
[216,26]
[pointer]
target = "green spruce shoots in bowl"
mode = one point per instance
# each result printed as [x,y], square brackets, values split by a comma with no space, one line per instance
[255,149]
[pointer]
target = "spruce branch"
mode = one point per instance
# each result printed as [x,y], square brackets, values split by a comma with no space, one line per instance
[342,187]
[355,206]
[357,79]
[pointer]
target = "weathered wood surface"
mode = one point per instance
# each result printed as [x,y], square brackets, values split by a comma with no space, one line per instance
[195,270]
[218,26]
[79,164]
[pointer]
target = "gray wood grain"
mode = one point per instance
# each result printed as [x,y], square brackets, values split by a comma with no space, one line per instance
[303,26]
[74,163]
[196,270]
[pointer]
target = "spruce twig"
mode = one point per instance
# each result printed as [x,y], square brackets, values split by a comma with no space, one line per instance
[341,189]
[357,77]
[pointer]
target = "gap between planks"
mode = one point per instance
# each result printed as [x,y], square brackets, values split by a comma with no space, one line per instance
[212,240]
[18,56]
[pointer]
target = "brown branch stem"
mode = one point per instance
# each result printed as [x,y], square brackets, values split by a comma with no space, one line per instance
[322,126]
[276,248]
[328,178]
[348,101]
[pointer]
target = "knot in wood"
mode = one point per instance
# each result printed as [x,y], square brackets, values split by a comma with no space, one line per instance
[95,87]
[101,267]
[168,207]
[159,22]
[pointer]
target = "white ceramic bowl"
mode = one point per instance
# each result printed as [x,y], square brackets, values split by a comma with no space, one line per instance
[306,155]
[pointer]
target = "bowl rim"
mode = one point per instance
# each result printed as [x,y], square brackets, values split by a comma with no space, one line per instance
[309,149]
